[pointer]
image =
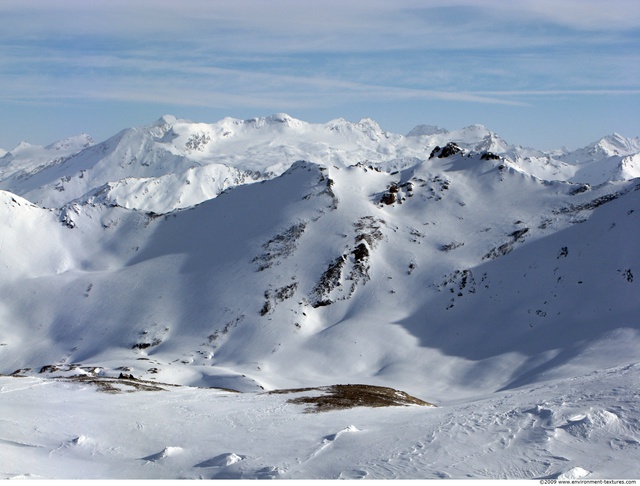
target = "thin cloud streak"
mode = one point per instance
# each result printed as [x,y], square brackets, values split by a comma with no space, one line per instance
[226,87]
[288,26]
[559,92]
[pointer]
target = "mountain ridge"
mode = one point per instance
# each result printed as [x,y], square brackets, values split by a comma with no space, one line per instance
[262,148]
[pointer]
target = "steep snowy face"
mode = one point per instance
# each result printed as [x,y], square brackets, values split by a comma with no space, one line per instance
[628,168]
[32,241]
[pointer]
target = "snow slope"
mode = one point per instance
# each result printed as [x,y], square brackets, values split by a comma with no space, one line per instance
[586,427]
[271,253]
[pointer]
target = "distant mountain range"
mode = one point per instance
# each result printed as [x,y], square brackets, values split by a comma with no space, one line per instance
[175,163]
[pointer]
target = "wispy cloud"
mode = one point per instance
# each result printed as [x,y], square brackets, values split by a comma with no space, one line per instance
[330,25]
[110,77]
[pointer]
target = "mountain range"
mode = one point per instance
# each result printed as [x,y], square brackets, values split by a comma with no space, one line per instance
[269,254]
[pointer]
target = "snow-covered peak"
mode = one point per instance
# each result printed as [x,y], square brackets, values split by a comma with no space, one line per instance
[369,125]
[8,197]
[74,144]
[422,130]
[477,138]
[165,120]
[197,139]
[629,168]
[616,144]
[474,134]
[281,118]
[26,159]
[161,126]
[22,147]
[275,120]
[476,128]
[366,126]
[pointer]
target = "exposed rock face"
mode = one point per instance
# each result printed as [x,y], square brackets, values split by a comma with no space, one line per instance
[489,156]
[391,195]
[329,280]
[450,149]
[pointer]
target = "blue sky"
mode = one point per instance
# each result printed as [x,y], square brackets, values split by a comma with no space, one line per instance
[540,73]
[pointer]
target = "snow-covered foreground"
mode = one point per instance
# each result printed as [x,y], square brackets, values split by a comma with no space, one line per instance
[585,427]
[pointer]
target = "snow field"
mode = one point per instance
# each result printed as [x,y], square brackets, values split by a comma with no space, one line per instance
[587,427]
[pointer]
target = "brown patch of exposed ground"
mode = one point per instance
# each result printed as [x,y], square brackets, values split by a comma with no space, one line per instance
[341,397]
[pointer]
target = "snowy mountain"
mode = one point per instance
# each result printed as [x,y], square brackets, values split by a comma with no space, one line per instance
[174,163]
[272,254]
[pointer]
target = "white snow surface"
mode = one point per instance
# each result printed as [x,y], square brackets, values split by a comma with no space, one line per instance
[585,427]
[497,282]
